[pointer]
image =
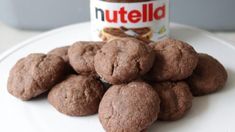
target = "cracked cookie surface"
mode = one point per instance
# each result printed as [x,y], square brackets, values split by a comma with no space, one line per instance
[63,53]
[208,77]
[81,56]
[123,60]
[34,75]
[175,60]
[77,95]
[176,100]
[129,107]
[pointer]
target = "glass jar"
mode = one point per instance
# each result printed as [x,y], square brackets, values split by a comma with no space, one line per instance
[147,19]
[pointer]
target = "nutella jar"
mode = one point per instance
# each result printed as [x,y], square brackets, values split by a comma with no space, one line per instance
[144,19]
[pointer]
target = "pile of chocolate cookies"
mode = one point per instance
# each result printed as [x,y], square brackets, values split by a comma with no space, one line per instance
[129,83]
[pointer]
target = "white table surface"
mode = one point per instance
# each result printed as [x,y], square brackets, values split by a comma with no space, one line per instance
[10,36]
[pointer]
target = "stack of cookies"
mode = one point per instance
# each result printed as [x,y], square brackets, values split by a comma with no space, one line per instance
[129,83]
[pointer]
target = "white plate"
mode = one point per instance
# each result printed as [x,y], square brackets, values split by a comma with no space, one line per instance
[215,112]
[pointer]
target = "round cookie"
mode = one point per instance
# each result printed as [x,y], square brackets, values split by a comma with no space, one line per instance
[34,75]
[77,95]
[129,107]
[123,60]
[81,56]
[176,100]
[208,77]
[175,60]
[63,53]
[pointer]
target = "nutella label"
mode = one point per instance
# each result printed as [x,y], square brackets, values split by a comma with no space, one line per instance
[148,20]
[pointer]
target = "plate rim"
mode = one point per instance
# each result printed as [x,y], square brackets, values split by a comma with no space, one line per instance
[29,41]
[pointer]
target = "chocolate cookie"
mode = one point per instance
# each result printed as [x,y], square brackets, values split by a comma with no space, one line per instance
[81,56]
[77,95]
[123,60]
[175,60]
[63,53]
[34,75]
[176,100]
[129,107]
[208,77]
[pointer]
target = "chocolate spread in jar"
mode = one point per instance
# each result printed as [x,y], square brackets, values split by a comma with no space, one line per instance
[142,19]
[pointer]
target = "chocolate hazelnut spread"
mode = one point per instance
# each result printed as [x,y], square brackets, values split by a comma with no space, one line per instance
[143,34]
[144,19]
